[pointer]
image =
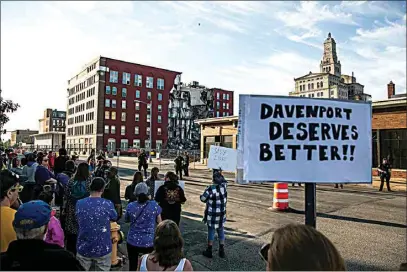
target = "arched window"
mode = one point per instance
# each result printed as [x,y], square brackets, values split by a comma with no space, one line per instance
[318,85]
[321,84]
[309,86]
[312,85]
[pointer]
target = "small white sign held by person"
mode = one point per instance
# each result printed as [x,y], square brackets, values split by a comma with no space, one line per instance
[290,139]
[222,158]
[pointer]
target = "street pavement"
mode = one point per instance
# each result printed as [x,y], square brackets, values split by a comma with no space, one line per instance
[368,227]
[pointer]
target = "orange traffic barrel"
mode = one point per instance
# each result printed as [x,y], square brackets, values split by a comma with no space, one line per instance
[280,198]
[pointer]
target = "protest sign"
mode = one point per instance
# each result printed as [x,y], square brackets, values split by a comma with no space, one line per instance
[222,158]
[240,141]
[291,139]
[159,183]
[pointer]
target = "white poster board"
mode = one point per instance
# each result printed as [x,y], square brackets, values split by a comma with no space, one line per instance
[222,158]
[291,139]
[159,183]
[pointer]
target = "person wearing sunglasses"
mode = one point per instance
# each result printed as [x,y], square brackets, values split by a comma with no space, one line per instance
[9,196]
[297,247]
[44,178]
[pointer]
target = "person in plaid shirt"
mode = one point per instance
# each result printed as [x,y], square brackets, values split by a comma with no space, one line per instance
[215,197]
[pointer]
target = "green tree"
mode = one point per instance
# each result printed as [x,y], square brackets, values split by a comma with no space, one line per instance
[6,107]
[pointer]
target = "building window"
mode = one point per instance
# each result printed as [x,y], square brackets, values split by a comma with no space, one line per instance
[106,129]
[124,92]
[217,96]
[138,79]
[160,108]
[160,84]
[147,144]
[137,94]
[158,131]
[137,117]
[136,143]
[393,144]
[123,117]
[318,94]
[224,96]
[114,91]
[149,95]
[321,84]
[137,106]
[126,78]
[136,130]
[148,131]
[107,103]
[113,115]
[107,115]
[122,130]
[159,119]
[148,118]
[124,144]
[123,104]
[113,129]
[312,85]
[224,106]
[149,82]
[312,95]
[114,76]
[322,94]
[227,106]
[160,97]
[107,89]
[227,96]
[217,114]
[318,85]
[148,107]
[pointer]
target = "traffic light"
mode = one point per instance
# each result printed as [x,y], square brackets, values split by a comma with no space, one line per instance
[18,132]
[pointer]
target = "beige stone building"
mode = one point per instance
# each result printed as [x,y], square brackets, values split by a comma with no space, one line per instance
[220,131]
[329,82]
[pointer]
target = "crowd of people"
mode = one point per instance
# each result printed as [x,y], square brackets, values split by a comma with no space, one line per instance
[57,214]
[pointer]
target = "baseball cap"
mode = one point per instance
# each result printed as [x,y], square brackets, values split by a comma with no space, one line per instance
[141,188]
[32,215]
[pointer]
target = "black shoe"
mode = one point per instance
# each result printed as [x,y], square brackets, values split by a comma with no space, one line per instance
[222,252]
[207,253]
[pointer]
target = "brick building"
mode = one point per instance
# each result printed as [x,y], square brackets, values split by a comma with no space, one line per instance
[53,120]
[389,135]
[22,136]
[112,102]
[223,102]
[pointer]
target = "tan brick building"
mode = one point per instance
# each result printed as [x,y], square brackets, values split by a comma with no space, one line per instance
[389,132]
[220,131]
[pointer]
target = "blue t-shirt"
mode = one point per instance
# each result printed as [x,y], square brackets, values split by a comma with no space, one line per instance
[142,218]
[94,215]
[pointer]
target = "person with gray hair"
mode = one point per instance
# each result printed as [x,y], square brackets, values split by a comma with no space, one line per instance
[143,215]
[30,252]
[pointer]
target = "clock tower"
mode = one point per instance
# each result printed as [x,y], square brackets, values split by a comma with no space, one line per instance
[330,63]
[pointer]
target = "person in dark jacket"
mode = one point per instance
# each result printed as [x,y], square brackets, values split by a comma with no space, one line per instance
[112,190]
[129,193]
[186,164]
[384,172]
[30,252]
[142,162]
[171,196]
[59,164]
[179,161]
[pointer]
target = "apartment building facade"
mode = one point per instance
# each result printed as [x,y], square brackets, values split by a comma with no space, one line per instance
[52,120]
[329,82]
[112,102]
[222,102]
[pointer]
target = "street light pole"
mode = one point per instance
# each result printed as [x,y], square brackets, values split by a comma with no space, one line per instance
[151,124]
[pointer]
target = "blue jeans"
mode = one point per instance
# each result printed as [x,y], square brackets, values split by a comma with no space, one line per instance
[211,234]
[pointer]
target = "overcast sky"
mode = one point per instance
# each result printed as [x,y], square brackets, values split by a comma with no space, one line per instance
[247,47]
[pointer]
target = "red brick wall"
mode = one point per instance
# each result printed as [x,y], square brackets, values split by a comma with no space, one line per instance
[389,120]
[395,173]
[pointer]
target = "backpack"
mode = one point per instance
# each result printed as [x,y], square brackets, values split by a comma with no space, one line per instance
[79,190]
